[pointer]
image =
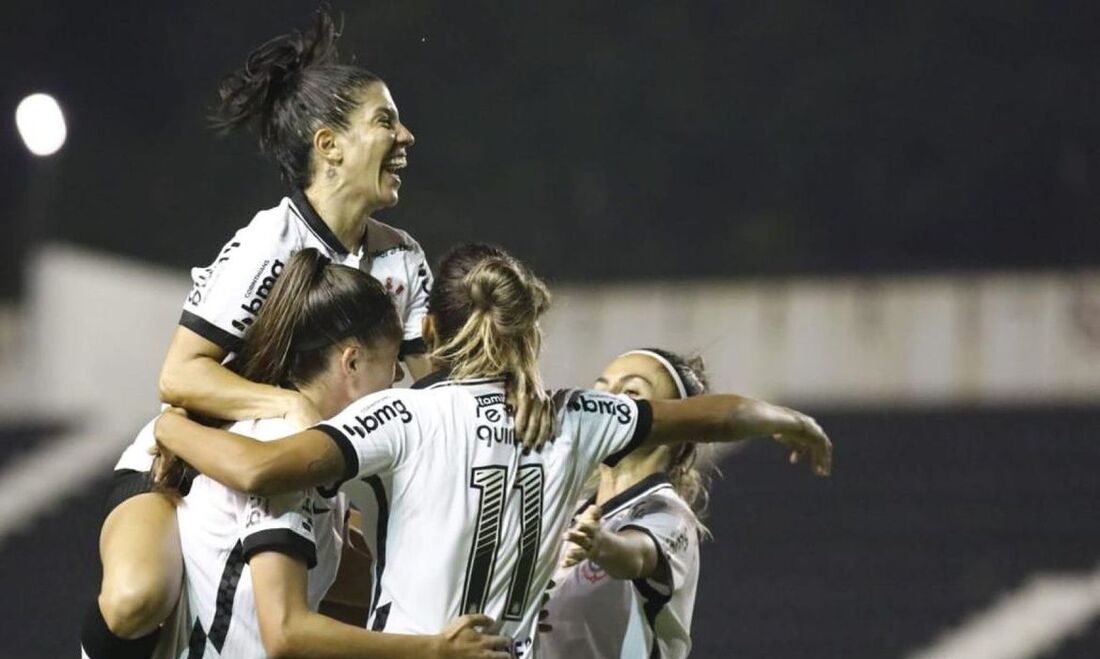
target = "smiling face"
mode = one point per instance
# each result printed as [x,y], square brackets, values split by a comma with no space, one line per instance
[637,376]
[374,148]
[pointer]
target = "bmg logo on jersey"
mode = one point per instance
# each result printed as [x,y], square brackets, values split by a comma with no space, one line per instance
[262,288]
[368,423]
[609,406]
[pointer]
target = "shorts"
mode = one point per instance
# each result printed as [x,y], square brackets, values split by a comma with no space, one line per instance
[127,483]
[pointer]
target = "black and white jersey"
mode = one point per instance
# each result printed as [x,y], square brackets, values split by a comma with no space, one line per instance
[465,521]
[595,616]
[228,293]
[221,529]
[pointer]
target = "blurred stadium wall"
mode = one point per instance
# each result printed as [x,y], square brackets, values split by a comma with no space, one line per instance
[999,338]
[960,523]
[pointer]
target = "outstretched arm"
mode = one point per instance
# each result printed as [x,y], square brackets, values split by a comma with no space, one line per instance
[625,554]
[193,377]
[288,628]
[300,461]
[728,418]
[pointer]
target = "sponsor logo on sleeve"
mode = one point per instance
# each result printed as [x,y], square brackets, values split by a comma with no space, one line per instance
[259,289]
[371,421]
[609,406]
[204,276]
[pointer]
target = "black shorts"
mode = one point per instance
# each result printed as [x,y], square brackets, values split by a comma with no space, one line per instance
[126,483]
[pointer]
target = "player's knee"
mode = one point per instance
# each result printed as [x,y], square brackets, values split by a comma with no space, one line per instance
[132,610]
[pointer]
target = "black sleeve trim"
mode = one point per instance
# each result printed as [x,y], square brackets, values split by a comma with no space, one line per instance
[283,541]
[641,431]
[210,331]
[351,459]
[415,346]
[662,572]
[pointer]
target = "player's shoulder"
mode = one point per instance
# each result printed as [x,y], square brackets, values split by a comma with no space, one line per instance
[272,228]
[264,430]
[386,240]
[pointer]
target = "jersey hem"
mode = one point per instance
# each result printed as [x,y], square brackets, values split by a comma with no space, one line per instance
[415,346]
[347,450]
[641,431]
[283,541]
[209,331]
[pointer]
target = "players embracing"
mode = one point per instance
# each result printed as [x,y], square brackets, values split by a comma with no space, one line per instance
[461,517]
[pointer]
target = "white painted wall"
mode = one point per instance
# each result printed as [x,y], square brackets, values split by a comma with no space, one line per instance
[96,329]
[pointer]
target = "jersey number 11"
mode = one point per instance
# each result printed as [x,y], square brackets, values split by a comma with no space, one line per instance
[490,483]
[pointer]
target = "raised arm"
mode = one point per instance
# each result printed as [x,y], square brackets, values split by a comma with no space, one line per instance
[728,418]
[306,459]
[288,628]
[194,378]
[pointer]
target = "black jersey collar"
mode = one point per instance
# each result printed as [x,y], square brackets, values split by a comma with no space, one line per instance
[434,377]
[309,215]
[616,502]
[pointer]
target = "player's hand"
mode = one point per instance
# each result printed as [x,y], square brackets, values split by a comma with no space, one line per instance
[300,411]
[536,418]
[584,537]
[462,640]
[807,442]
[168,471]
[545,627]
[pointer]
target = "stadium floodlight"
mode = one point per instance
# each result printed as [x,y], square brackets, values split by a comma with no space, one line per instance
[41,124]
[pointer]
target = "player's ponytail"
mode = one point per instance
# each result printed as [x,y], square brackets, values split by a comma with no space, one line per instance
[314,305]
[288,88]
[486,306]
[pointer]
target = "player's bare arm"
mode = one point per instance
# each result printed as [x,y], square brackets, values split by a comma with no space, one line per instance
[306,459]
[729,418]
[626,554]
[288,628]
[418,365]
[193,377]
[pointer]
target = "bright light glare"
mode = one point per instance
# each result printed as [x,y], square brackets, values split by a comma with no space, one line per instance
[41,124]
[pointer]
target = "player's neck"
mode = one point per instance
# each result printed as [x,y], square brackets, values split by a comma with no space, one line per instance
[346,214]
[316,392]
[630,471]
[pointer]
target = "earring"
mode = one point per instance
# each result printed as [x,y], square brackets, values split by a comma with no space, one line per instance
[330,172]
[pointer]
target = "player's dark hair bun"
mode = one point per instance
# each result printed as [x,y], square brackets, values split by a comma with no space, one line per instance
[271,71]
[287,88]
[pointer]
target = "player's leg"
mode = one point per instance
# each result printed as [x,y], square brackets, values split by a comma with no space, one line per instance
[142,574]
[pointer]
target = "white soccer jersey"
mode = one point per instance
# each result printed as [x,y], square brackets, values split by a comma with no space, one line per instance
[228,293]
[465,521]
[598,617]
[221,529]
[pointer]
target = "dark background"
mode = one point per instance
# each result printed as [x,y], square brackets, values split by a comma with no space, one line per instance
[929,518]
[625,140]
[605,139]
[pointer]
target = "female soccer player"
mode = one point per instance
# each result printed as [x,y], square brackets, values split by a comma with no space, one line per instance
[335,133]
[258,567]
[470,522]
[626,587]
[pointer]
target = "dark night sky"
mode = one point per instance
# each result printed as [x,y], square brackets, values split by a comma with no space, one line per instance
[603,139]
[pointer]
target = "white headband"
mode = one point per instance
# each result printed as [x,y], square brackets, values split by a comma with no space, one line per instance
[672,372]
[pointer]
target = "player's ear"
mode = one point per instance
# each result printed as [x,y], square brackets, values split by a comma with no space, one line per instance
[327,147]
[350,359]
[427,331]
